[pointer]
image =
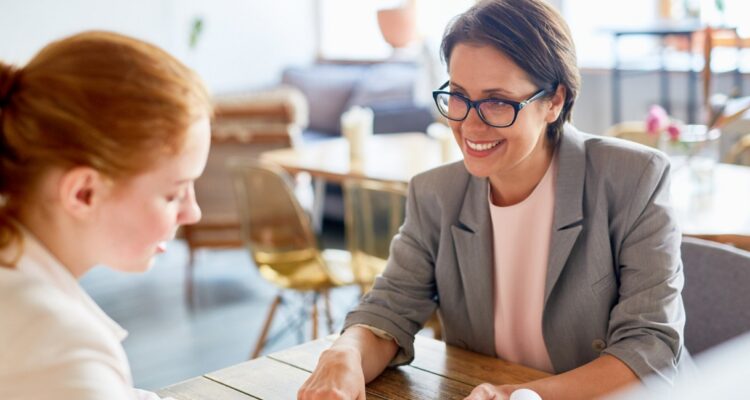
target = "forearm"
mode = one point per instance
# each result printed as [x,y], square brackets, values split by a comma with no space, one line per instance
[375,353]
[597,378]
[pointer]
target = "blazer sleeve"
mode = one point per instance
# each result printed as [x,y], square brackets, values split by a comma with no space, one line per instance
[646,324]
[404,297]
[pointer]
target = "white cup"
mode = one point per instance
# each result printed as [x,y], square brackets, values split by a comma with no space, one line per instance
[524,394]
[356,127]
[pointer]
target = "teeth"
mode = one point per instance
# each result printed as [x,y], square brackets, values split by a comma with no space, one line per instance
[482,146]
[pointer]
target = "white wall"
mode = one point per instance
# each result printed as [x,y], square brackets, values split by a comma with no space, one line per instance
[245,43]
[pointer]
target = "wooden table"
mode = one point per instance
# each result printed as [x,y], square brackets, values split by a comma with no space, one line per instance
[720,211]
[388,157]
[438,372]
[393,157]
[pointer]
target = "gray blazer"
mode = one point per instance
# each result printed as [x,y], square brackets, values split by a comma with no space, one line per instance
[614,276]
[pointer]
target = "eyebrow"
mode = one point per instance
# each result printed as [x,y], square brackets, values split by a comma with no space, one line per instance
[486,91]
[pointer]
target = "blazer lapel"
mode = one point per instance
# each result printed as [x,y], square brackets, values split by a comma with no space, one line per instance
[568,215]
[472,237]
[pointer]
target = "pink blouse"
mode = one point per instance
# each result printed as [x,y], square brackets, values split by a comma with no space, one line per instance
[521,241]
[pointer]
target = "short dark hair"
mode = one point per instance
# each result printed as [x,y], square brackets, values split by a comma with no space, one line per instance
[534,35]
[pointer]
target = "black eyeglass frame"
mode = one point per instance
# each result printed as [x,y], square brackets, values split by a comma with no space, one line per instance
[517,105]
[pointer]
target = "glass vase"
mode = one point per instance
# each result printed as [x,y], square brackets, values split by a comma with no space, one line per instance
[697,149]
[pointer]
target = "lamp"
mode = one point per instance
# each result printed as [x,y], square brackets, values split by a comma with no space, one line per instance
[399,24]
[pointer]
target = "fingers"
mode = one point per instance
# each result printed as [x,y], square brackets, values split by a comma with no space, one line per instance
[316,388]
[334,379]
[484,391]
[329,393]
[319,394]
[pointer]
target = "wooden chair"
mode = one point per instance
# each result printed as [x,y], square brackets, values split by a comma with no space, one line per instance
[277,232]
[711,39]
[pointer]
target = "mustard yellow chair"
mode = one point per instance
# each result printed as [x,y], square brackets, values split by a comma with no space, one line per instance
[373,214]
[740,152]
[278,233]
[244,124]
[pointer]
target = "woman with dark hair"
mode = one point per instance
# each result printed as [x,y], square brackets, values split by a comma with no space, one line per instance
[546,246]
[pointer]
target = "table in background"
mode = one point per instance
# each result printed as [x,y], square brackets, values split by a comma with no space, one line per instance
[721,212]
[437,372]
[394,157]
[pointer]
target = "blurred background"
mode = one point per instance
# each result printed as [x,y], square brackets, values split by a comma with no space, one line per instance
[284,72]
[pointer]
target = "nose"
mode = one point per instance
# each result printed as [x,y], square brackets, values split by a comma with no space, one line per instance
[473,121]
[190,212]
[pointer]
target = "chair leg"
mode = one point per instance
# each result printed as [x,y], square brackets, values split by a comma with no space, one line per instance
[327,305]
[437,327]
[437,332]
[189,277]
[315,316]
[266,327]
[303,315]
[319,197]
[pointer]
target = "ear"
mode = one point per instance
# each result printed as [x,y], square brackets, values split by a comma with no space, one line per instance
[81,189]
[556,103]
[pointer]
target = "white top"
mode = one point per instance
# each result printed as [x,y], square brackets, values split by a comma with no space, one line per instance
[55,342]
[521,241]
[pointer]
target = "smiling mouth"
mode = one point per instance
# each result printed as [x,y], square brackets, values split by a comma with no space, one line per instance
[484,146]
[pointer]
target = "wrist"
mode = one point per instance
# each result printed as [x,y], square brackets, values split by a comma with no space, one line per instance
[507,390]
[342,354]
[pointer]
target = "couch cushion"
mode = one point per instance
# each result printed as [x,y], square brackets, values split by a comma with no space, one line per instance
[327,89]
[385,84]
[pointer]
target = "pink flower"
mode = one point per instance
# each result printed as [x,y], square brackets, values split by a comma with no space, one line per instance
[656,120]
[674,132]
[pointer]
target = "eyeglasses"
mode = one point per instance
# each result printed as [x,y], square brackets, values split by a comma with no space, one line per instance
[497,113]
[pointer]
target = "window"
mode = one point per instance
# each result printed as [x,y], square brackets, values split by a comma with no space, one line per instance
[592,21]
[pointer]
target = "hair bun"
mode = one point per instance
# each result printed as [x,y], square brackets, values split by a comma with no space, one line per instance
[8,80]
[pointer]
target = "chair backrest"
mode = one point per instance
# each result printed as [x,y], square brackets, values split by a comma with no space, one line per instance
[273,225]
[740,152]
[635,131]
[716,293]
[373,213]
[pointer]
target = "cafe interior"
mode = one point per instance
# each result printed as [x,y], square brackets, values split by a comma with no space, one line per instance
[324,112]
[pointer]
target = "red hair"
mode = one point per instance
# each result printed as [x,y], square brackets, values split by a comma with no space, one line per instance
[96,99]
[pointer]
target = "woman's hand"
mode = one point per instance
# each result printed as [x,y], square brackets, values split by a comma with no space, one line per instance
[488,391]
[337,376]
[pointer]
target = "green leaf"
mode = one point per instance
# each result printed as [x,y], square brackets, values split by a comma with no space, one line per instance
[196,28]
